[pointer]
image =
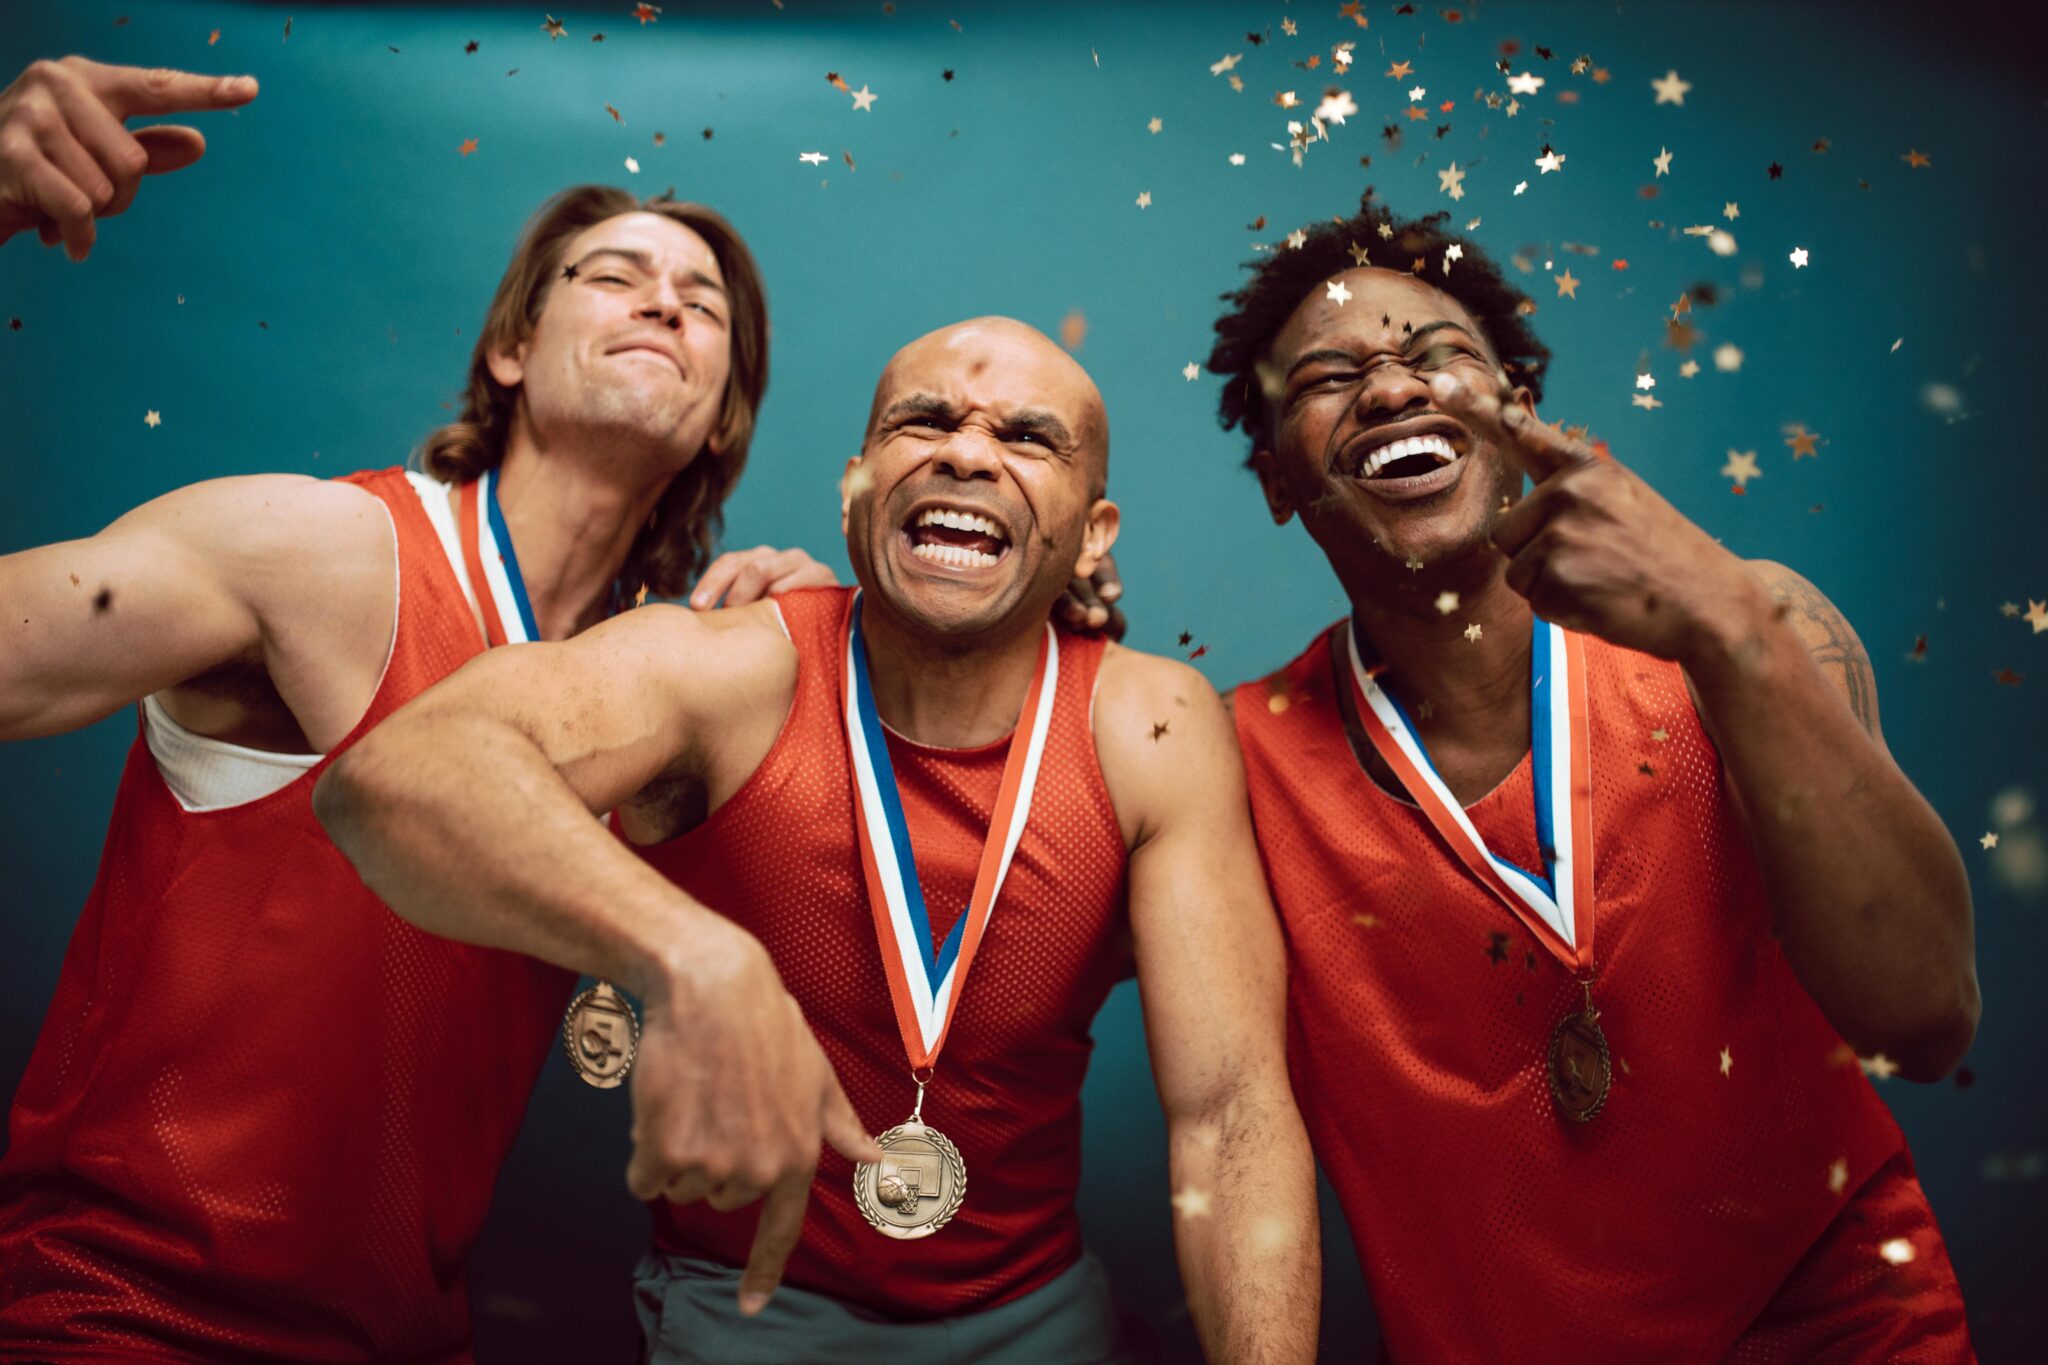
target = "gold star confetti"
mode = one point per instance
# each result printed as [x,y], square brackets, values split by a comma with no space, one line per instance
[1145,199]
[1646,380]
[1660,735]
[616,116]
[1335,291]
[1237,84]
[864,100]
[1286,99]
[1916,158]
[1671,90]
[811,158]
[1802,442]
[1548,162]
[1337,106]
[1990,840]
[152,419]
[2037,615]
[1567,287]
[632,166]
[1446,602]
[1689,369]
[1838,1176]
[1741,467]
[646,14]
[1218,68]
[1728,357]
[1237,158]
[553,28]
[1727,1061]
[1897,1251]
[1155,125]
[1647,401]
[1521,185]
[1474,631]
[1189,371]
[1662,161]
[1528,83]
[1731,210]
[2004,608]
[468,146]
[1357,254]
[1363,921]
[1191,1203]
[1448,181]
[1415,95]
[1880,1066]
[1399,70]
[1073,329]
[1798,258]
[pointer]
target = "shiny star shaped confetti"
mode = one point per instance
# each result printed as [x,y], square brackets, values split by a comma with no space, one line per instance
[1728,357]
[468,146]
[811,158]
[1671,90]
[152,419]
[646,14]
[1145,199]
[1662,161]
[1335,291]
[1916,159]
[1191,1203]
[1798,258]
[1989,841]
[1448,181]
[1567,287]
[1528,83]
[1446,602]
[1802,442]
[1219,67]
[1548,162]
[1155,125]
[553,28]
[1741,467]
[863,100]
[1189,371]
[1474,631]
[1727,1061]
[1838,1176]
[2037,615]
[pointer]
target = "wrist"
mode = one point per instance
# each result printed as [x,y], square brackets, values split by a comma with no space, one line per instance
[1736,632]
[697,949]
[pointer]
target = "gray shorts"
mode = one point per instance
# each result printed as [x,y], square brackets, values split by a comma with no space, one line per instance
[689,1315]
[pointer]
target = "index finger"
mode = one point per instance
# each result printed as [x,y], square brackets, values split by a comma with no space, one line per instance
[782,1221]
[132,90]
[1537,448]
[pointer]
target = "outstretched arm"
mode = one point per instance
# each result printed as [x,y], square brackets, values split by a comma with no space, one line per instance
[470,811]
[1212,975]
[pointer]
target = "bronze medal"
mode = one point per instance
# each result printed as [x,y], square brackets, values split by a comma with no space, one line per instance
[1579,1071]
[916,1187]
[601,1034]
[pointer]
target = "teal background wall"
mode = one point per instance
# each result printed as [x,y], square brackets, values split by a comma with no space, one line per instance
[304,299]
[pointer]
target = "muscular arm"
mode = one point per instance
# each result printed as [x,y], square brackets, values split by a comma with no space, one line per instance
[1212,975]
[284,573]
[1869,892]
[470,811]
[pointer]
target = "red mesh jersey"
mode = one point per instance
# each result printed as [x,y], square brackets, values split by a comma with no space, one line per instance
[1420,1012]
[264,1115]
[780,860]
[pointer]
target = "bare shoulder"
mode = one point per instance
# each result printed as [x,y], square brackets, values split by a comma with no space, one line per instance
[1826,633]
[1163,737]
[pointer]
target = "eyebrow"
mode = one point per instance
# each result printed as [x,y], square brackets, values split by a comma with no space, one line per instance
[1035,420]
[646,262]
[1332,355]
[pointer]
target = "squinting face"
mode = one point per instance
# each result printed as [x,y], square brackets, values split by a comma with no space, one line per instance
[633,341]
[976,495]
[1360,450]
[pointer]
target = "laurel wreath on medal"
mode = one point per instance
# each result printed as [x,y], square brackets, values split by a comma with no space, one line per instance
[570,1017]
[865,1199]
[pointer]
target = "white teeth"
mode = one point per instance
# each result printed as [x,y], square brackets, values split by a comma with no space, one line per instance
[1413,445]
[960,521]
[957,556]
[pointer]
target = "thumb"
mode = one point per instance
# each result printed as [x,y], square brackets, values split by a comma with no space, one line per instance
[643,1175]
[844,1131]
[171,147]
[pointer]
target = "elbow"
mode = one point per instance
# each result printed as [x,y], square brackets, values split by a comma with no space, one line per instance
[1929,1050]
[341,794]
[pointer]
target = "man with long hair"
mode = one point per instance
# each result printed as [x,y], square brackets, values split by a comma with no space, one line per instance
[264,1115]
[1548,713]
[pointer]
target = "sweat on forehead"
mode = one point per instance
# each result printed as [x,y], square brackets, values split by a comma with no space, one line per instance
[998,361]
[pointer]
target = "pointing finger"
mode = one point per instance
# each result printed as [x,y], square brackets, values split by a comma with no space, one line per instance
[131,90]
[1537,448]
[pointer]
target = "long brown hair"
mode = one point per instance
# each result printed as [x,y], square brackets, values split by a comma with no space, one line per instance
[680,537]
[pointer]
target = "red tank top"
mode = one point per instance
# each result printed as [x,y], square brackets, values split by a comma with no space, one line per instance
[779,859]
[1420,1014]
[264,1114]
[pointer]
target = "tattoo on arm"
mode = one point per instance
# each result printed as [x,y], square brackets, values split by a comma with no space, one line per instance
[1830,640]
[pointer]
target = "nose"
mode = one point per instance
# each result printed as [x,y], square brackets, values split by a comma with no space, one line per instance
[969,454]
[660,302]
[1392,387]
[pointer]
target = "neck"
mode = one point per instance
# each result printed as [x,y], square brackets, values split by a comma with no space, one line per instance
[572,521]
[947,693]
[1477,690]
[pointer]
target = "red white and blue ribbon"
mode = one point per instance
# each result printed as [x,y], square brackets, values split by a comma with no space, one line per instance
[926,979]
[1555,905]
[493,568]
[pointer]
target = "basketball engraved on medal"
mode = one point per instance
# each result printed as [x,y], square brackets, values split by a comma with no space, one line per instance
[1579,1070]
[601,1034]
[916,1187]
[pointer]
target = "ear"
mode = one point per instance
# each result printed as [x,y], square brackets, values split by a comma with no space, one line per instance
[1105,519]
[850,480]
[1269,482]
[508,367]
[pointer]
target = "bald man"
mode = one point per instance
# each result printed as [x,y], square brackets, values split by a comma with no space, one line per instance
[885,789]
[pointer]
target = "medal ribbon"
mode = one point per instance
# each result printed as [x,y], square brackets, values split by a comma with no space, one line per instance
[1557,907]
[926,980]
[493,568]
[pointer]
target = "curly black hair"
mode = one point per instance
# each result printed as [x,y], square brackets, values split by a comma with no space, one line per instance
[1283,279]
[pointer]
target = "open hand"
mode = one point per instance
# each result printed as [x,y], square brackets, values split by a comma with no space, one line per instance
[1089,604]
[66,161]
[743,576]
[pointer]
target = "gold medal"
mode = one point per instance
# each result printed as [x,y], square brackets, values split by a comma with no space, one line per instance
[601,1034]
[917,1186]
[1579,1070]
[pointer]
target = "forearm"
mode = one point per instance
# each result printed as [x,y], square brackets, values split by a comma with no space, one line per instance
[1870,897]
[1245,1230]
[462,825]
